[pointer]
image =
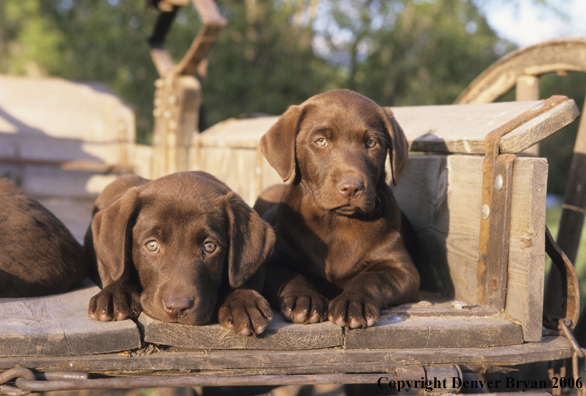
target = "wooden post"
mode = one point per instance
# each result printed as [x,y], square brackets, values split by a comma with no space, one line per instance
[177,102]
[178,94]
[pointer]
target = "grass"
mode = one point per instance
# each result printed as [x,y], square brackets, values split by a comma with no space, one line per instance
[552,219]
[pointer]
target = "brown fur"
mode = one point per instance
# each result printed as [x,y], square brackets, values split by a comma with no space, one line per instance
[337,222]
[39,256]
[180,281]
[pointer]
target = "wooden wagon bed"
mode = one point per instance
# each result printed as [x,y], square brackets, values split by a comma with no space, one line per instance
[454,327]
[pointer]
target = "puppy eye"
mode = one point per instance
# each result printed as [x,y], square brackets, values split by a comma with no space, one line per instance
[321,142]
[370,143]
[209,247]
[152,246]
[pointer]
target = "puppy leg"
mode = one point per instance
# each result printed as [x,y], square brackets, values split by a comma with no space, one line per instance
[295,296]
[117,301]
[383,286]
[245,312]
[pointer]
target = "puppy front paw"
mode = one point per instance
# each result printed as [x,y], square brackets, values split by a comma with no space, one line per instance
[115,302]
[353,311]
[305,307]
[245,312]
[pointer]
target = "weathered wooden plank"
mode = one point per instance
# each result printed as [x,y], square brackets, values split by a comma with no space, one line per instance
[299,362]
[59,326]
[441,196]
[425,308]
[279,335]
[244,170]
[442,129]
[397,331]
[55,119]
[47,181]
[527,246]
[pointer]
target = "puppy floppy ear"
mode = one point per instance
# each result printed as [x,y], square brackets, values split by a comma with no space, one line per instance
[251,240]
[278,143]
[399,149]
[112,238]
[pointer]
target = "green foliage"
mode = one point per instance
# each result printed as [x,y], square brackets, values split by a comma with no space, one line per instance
[272,54]
[263,61]
[412,52]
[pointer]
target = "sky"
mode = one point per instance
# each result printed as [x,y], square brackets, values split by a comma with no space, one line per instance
[530,23]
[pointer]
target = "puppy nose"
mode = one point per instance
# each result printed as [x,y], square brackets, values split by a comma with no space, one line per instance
[350,188]
[177,306]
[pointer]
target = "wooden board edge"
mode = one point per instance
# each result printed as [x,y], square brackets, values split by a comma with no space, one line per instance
[540,127]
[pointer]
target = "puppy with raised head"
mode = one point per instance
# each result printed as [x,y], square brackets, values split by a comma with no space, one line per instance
[340,251]
[39,256]
[178,248]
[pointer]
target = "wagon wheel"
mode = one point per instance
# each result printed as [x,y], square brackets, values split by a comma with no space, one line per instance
[521,69]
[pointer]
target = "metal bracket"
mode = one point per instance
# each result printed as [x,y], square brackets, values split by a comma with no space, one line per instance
[570,286]
[493,251]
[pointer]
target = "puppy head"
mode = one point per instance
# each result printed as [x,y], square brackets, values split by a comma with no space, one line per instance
[336,145]
[181,236]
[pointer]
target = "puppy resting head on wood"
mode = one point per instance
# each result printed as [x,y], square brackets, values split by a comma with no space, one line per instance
[175,247]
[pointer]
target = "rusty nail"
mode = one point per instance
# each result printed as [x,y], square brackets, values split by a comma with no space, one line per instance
[460,305]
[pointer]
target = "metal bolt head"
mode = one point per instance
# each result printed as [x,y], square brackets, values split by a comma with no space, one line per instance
[485,211]
[498,182]
[538,106]
[460,305]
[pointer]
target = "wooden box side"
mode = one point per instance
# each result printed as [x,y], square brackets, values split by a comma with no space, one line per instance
[441,196]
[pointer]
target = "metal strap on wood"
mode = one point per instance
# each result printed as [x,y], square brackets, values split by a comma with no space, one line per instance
[570,286]
[496,209]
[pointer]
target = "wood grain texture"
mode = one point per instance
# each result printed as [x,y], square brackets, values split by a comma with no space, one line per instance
[441,196]
[279,335]
[54,119]
[527,246]
[442,129]
[59,326]
[396,331]
[229,149]
[300,362]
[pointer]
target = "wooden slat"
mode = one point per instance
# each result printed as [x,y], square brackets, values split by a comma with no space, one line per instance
[240,168]
[394,331]
[442,129]
[297,362]
[45,181]
[279,335]
[55,119]
[447,224]
[59,326]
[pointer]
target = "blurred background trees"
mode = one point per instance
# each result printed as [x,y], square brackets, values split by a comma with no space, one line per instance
[274,53]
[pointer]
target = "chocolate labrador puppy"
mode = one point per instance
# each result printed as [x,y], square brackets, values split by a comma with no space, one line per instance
[176,248]
[339,228]
[39,256]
